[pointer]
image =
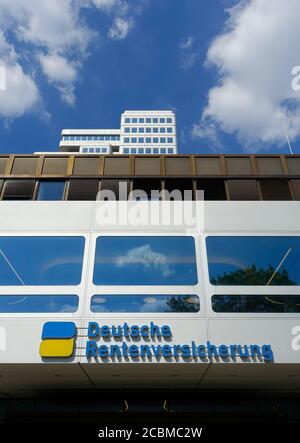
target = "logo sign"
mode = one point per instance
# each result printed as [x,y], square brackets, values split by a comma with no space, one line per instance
[58,339]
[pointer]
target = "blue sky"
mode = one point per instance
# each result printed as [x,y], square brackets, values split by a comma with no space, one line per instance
[223,66]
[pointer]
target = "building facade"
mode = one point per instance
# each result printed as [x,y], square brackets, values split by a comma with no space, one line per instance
[141,132]
[92,311]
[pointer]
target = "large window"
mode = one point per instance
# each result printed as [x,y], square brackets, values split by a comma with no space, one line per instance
[51,190]
[41,260]
[267,261]
[38,303]
[130,260]
[145,303]
[256,303]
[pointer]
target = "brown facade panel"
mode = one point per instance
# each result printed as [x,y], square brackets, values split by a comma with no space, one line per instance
[208,166]
[269,165]
[117,166]
[83,189]
[24,166]
[55,165]
[1,185]
[243,190]
[3,163]
[238,166]
[178,166]
[275,189]
[147,166]
[296,188]
[293,164]
[214,189]
[19,189]
[86,166]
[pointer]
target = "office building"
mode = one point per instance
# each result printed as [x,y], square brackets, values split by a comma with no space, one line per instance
[202,320]
[141,132]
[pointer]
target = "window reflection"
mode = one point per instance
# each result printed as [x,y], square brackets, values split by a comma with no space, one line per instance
[38,303]
[145,303]
[256,303]
[267,261]
[163,260]
[41,260]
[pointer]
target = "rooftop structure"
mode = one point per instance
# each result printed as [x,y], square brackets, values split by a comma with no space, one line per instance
[141,132]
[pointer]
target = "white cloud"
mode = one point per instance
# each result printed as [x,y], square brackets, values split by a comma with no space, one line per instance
[54,33]
[254,57]
[188,56]
[144,255]
[187,43]
[60,72]
[120,28]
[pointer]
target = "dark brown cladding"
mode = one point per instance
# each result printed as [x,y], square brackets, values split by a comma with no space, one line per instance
[222,177]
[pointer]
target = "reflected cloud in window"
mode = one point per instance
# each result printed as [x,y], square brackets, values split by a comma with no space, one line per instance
[151,260]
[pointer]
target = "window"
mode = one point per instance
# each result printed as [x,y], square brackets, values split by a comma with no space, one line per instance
[163,150]
[169,120]
[145,260]
[134,130]
[155,140]
[256,303]
[148,120]
[148,150]
[155,130]
[133,150]
[141,139]
[170,139]
[83,189]
[169,130]
[39,260]
[170,151]
[155,151]
[145,303]
[18,189]
[126,150]
[155,120]
[141,151]
[126,140]
[148,130]
[275,189]
[127,120]
[141,120]
[214,189]
[148,139]
[162,120]
[141,130]
[127,130]
[134,120]
[254,260]
[162,130]
[51,190]
[84,149]
[38,303]
[134,140]
[243,190]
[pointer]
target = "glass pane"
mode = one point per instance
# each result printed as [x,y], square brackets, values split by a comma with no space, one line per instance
[51,190]
[161,260]
[267,261]
[256,303]
[41,260]
[38,303]
[145,303]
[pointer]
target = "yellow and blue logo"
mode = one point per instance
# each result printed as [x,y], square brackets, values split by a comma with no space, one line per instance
[58,339]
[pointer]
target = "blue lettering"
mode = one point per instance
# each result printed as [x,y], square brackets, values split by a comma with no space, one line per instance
[93,329]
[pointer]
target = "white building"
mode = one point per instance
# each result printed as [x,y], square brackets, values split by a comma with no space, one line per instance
[141,132]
